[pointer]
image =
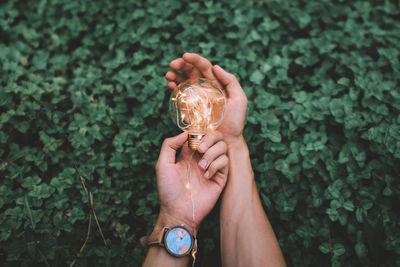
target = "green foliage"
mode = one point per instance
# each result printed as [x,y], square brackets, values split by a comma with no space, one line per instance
[82,85]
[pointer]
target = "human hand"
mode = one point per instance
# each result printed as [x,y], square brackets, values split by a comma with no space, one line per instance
[206,181]
[195,66]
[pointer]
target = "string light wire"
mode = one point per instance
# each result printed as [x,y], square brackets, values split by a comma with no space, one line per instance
[189,187]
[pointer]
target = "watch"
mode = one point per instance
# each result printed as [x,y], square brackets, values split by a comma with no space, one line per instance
[177,240]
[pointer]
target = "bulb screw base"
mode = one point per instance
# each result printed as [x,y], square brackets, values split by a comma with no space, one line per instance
[195,140]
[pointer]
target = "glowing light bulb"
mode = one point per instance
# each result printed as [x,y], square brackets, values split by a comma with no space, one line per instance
[197,106]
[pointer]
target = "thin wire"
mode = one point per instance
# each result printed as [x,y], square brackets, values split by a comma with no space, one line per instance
[188,186]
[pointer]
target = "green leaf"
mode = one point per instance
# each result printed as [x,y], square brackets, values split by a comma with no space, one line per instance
[338,249]
[274,136]
[387,191]
[41,191]
[333,214]
[325,248]
[266,201]
[257,77]
[28,209]
[344,81]
[348,205]
[359,215]
[366,204]
[361,249]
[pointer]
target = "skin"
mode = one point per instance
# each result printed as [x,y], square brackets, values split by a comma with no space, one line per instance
[206,181]
[247,238]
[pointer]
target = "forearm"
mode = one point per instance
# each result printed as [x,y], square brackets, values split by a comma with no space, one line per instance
[158,256]
[247,238]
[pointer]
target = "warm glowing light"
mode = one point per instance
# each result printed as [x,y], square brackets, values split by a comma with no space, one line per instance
[187,185]
[197,106]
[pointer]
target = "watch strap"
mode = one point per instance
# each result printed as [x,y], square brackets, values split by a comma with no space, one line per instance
[156,237]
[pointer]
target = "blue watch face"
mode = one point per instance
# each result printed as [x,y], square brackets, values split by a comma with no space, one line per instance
[178,241]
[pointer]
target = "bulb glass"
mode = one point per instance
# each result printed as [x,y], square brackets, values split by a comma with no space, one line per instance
[197,106]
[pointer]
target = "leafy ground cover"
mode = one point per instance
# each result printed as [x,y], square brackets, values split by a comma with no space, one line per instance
[82,95]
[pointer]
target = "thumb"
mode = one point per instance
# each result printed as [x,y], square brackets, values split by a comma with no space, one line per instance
[228,80]
[170,146]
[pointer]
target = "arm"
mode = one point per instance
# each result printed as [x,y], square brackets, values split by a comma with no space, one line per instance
[241,210]
[206,183]
[247,238]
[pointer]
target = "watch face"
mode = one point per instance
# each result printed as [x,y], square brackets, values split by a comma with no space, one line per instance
[178,241]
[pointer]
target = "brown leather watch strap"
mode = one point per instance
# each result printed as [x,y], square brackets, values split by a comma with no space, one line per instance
[156,237]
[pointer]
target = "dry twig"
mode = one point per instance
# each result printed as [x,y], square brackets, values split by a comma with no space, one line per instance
[92,213]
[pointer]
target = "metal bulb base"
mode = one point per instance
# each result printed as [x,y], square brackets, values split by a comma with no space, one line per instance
[195,140]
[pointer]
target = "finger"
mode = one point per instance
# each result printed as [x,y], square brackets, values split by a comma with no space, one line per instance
[191,70]
[221,176]
[228,80]
[225,169]
[172,85]
[209,140]
[201,63]
[176,64]
[219,164]
[169,148]
[212,153]
[174,77]
[187,68]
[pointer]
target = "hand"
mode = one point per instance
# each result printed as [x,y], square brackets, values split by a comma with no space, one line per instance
[206,180]
[195,66]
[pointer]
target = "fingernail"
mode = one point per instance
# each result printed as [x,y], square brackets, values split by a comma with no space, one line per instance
[206,174]
[203,163]
[203,147]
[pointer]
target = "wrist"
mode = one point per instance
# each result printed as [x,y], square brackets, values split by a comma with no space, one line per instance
[172,246]
[233,141]
[239,163]
[236,143]
[166,220]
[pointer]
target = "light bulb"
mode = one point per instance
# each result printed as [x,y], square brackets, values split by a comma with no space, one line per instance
[197,106]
